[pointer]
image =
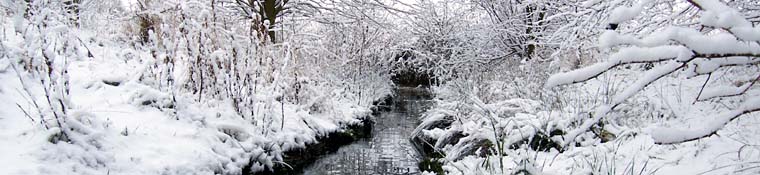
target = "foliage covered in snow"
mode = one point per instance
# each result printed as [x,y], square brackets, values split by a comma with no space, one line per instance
[177,87]
[531,87]
[648,78]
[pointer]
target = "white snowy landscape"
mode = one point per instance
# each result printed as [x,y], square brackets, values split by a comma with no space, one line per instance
[471,87]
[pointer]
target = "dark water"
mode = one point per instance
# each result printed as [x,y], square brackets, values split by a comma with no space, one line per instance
[388,151]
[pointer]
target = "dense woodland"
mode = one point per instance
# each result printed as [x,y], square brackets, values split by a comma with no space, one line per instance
[518,86]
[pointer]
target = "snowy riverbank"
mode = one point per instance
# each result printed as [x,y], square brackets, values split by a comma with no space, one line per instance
[106,106]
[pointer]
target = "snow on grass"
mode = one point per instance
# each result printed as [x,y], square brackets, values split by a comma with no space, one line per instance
[637,149]
[21,139]
[123,124]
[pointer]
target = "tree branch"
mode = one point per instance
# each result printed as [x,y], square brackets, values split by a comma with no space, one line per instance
[674,136]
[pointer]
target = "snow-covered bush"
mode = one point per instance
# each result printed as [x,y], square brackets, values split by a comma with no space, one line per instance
[44,53]
[598,41]
[180,87]
[723,39]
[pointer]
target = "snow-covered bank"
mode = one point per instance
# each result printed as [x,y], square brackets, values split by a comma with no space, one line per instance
[461,126]
[132,129]
[634,87]
[103,97]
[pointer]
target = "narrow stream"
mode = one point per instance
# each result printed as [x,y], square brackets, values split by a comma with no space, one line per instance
[388,151]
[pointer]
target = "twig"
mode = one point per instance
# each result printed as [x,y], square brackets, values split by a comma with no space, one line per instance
[702,89]
[752,83]
[89,52]
[25,113]
[31,97]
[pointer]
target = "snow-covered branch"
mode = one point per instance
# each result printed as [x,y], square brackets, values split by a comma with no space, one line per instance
[623,57]
[731,45]
[727,91]
[673,135]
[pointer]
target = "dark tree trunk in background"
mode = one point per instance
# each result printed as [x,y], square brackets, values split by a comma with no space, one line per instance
[264,12]
[270,10]
[72,8]
[535,14]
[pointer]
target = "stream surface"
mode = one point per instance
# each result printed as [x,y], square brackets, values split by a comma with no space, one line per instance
[389,150]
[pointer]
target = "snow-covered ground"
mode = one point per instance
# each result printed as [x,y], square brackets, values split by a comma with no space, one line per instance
[205,87]
[734,150]
[116,123]
[664,87]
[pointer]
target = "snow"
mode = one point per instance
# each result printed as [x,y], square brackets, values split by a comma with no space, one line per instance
[640,149]
[677,135]
[624,56]
[647,79]
[135,139]
[20,138]
[644,144]
[600,113]
[747,33]
[121,121]
[590,3]
[723,19]
[612,38]
[625,13]
[718,15]
[132,111]
[724,91]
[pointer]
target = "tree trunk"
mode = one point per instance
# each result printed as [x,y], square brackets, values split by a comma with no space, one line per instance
[72,8]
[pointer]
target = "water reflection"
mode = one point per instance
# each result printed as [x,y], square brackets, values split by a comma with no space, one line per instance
[388,151]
